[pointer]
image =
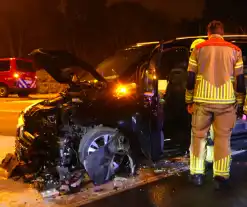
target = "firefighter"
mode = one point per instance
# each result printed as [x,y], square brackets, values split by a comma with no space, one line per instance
[215,88]
[210,137]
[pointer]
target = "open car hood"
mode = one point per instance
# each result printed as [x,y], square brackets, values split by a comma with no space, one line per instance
[62,65]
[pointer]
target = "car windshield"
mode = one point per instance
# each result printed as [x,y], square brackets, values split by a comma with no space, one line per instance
[114,66]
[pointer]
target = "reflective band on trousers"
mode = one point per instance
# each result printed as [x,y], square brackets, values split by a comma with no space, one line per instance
[197,166]
[222,167]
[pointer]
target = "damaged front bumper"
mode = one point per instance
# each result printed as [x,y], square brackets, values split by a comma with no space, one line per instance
[23,139]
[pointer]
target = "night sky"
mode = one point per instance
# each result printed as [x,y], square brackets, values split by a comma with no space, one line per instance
[174,9]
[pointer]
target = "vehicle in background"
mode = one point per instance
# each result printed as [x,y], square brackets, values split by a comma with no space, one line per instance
[17,76]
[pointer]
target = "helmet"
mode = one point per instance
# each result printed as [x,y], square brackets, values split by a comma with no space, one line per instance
[194,43]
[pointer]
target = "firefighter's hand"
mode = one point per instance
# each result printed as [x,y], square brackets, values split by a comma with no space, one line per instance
[190,108]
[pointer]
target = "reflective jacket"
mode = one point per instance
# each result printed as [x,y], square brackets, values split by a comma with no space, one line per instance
[215,73]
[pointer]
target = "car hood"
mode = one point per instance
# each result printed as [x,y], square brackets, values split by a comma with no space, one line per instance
[62,65]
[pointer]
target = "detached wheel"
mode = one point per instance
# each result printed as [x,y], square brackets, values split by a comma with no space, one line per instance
[4,91]
[23,94]
[93,140]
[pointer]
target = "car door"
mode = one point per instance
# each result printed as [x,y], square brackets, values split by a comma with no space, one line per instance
[172,68]
[153,82]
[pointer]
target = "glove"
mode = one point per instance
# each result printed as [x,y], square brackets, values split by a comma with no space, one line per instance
[240,111]
[190,108]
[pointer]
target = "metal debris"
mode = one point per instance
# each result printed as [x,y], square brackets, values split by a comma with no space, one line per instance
[171,167]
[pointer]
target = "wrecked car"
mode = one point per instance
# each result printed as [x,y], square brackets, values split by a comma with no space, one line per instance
[132,104]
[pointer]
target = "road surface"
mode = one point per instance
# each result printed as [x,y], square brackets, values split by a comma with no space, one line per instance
[9,111]
[178,192]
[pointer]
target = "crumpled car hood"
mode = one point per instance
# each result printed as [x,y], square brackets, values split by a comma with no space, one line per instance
[61,65]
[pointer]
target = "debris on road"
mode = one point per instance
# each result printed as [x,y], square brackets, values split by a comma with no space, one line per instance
[9,163]
[50,193]
[119,182]
[171,167]
[88,192]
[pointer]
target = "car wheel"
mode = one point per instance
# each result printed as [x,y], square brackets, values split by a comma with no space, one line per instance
[4,91]
[93,140]
[23,94]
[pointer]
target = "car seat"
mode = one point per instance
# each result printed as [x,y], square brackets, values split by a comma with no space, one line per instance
[176,118]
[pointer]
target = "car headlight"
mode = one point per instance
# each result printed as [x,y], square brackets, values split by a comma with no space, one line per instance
[20,125]
[20,121]
[123,90]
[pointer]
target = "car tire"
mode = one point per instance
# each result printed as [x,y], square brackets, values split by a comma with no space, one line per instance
[3,91]
[23,94]
[89,137]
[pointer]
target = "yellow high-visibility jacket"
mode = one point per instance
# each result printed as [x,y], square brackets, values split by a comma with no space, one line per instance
[215,73]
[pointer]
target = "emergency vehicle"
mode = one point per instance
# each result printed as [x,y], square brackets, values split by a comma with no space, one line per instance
[17,76]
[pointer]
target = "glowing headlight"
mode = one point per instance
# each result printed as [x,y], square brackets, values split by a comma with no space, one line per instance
[20,121]
[20,125]
[121,89]
[125,90]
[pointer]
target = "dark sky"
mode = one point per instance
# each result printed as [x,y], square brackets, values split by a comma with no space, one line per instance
[175,9]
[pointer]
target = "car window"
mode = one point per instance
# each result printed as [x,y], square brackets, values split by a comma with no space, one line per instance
[4,65]
[122,61]
[167,60]
[243,47]
[24,66]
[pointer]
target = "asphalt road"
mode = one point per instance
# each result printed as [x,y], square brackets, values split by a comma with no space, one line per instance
[176,191]
[9,112]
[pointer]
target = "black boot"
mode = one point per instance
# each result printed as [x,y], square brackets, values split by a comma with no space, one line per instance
[221,183]
[208,166]
[197,179]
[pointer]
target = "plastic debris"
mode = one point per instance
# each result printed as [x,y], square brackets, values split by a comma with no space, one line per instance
[50,193]
[9,163]
[120,182]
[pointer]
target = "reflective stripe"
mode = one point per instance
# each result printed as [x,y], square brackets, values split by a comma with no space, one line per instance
[208,93]
[188,96]
[222,167]
[22,83]
[240,63]
[33,84]
[197,166]
[238,66]
[192,62]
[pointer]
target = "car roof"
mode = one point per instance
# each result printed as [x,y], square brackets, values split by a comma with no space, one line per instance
[228,36]
[187,40]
